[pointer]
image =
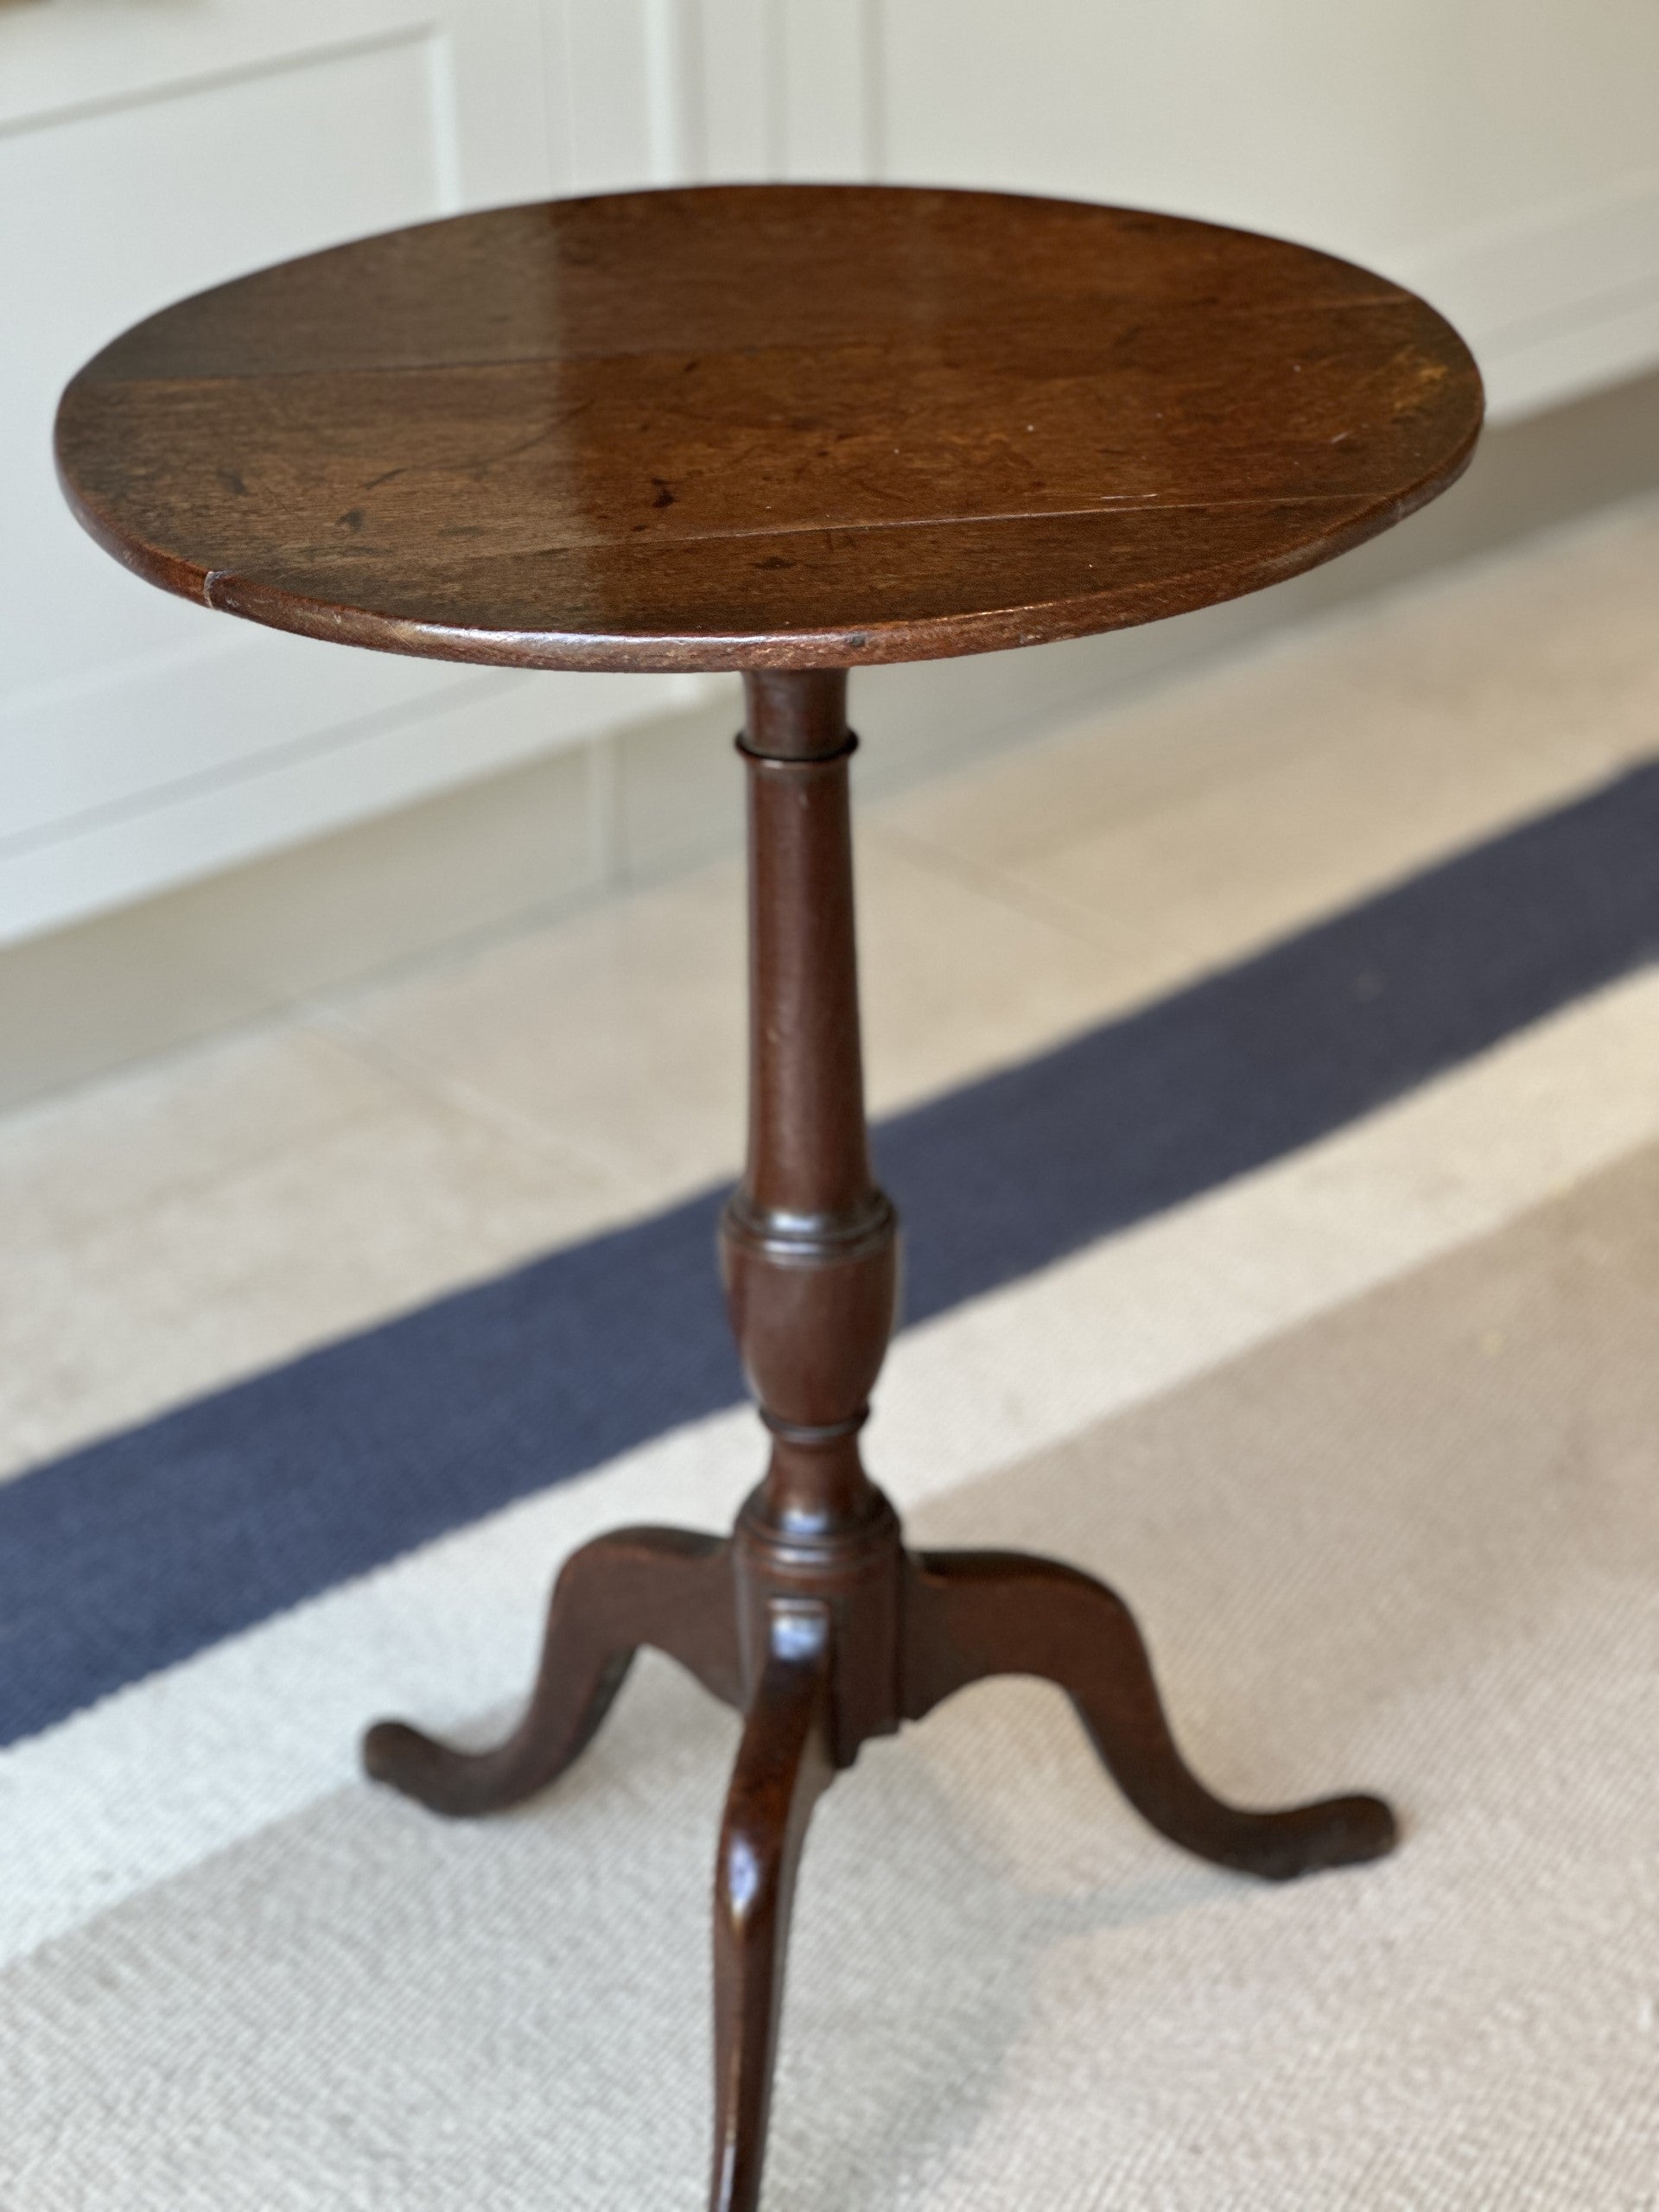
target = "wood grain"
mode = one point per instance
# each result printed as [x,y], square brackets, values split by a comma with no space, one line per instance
[763,426]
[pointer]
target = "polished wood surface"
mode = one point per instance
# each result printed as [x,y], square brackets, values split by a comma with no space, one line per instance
[777,426]
[812,1618]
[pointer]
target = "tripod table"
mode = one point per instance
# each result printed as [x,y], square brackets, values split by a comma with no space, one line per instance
[787,430]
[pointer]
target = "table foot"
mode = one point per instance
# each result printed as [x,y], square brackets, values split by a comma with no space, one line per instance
[660,1586]
[970,1615]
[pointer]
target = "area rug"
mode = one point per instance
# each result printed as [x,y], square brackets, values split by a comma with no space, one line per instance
[1312,1306]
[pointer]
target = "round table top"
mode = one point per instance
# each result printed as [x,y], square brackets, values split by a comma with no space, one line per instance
[763,426]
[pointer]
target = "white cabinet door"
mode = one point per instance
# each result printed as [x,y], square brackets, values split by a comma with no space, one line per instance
[148,150]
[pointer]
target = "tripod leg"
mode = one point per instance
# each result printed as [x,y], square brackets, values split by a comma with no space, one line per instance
[975,1614]
[661,1586]
[784,1765]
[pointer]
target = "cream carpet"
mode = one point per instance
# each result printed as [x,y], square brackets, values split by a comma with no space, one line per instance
[1369,1438]
[1413,1544]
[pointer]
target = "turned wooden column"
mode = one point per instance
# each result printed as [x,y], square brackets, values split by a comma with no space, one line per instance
[809,1243]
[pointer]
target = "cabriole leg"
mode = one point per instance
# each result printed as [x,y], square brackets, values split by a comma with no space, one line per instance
[974,1614]
[661,1586]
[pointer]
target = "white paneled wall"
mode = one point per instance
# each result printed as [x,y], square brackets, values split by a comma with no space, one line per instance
[1501,154]
[149,147]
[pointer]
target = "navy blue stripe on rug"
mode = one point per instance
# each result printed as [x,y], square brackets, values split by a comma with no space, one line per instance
[134,1553]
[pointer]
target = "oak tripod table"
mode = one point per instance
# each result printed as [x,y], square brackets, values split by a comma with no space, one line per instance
[788,430]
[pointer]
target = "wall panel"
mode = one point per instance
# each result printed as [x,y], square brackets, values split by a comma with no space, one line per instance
[146,151]
[1500,154]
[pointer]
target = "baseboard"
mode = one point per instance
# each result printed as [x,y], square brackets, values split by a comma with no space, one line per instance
[588,824]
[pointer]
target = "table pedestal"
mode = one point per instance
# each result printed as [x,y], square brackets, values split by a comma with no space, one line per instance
[811,1617]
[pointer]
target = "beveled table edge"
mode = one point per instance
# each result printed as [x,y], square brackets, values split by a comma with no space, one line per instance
[841,645]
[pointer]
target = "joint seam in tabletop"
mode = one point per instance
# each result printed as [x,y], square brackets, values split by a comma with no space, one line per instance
[1108,504]
[902,637]
[1138,503]
[1127,504]
[1255,311]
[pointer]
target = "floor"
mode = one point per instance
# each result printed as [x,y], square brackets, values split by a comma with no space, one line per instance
[207,1216]
[1368,1434]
